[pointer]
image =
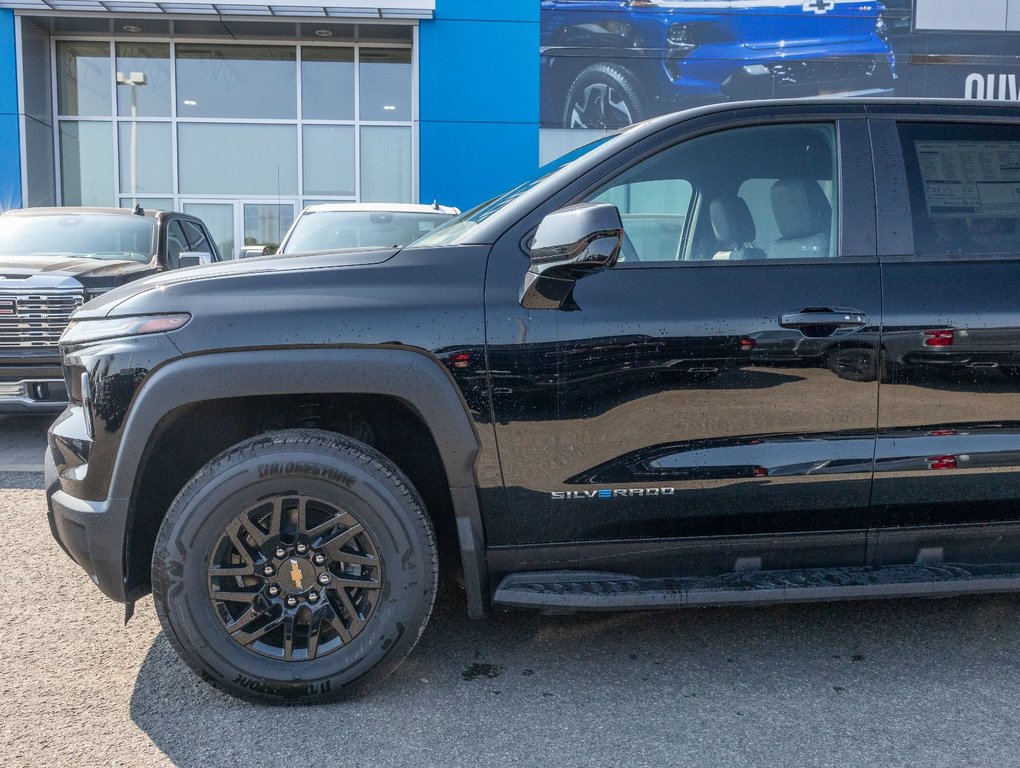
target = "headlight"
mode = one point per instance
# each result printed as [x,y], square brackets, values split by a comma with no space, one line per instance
[684,39]
[91,293]
[681,38]
[86,331]
[882,29]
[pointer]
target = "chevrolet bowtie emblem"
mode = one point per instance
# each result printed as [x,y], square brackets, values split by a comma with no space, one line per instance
[295,574]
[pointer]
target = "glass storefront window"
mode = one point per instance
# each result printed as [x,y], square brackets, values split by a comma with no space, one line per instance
[237,159]
[145,163]
[153,98]
[246,81]
[240,135]
[385,84]
[327,83]
[266,224]
[86,162]
[219,218]
[84,79]
[385,164]
[328,161]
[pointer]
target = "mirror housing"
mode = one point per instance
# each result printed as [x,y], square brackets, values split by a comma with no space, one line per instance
[194,259]
[252,251]
[570,243]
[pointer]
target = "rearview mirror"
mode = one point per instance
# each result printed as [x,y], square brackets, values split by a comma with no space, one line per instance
[194,259]
[570,243]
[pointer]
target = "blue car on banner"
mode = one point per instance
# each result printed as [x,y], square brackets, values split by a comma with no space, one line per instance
[609,63]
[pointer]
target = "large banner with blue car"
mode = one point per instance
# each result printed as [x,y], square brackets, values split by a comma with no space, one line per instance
[609,63]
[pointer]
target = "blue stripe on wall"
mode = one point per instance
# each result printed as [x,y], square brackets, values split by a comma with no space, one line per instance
[479,79]
[10,146]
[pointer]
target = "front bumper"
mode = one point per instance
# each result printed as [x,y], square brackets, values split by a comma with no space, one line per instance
[792,78]
[35,395]
[31,382]
[90,532]
[88,509]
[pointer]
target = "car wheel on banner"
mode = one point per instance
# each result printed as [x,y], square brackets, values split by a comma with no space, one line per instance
[604,96]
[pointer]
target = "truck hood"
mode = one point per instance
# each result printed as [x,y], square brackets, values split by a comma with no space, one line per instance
[264,266]
[13,268]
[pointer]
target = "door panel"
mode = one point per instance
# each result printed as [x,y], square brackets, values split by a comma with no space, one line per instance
[948,449]
[673,403]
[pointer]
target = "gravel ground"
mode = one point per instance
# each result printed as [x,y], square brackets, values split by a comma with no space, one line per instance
[912,683]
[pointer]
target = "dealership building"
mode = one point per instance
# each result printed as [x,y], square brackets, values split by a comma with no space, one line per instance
[243,112]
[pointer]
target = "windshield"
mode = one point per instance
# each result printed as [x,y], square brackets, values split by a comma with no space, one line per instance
[93,235]
[332,230]
[452,232]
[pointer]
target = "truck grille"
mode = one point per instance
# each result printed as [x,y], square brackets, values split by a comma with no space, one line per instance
[36,318]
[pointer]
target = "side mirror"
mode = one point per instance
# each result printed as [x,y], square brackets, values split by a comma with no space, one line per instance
[251,251]
[194,259]
[572,242]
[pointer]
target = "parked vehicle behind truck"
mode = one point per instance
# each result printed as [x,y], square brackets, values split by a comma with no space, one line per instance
[53,260]
[286,451]
[334,226]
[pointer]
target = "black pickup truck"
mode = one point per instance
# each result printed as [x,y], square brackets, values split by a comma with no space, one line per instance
[53,260]
[557,395]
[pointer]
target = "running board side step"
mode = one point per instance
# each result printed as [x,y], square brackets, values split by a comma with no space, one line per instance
[601,591]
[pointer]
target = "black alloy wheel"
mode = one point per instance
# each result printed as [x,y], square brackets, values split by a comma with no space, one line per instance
[297,566]
[294,577]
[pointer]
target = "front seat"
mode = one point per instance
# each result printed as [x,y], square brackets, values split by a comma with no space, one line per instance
[733,226]
[804,218]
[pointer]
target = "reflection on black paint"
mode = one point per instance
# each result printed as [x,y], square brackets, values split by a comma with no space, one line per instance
[113,393]
[753,456]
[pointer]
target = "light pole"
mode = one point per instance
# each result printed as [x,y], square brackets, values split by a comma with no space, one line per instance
[134,80]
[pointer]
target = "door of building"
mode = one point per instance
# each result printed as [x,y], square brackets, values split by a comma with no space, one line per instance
[237,223]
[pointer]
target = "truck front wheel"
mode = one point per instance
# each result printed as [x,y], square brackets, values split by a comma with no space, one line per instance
[299,565]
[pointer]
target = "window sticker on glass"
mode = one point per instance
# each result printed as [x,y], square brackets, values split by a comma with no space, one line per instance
[964,178]
[426,226]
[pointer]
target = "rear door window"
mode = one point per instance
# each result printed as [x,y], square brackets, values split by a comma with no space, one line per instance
[964,185]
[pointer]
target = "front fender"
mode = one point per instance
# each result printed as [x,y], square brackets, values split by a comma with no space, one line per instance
[410,375]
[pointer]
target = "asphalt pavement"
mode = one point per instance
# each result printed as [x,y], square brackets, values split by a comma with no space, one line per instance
[893,683]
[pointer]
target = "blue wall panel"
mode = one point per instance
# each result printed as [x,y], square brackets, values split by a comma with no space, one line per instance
[467,163]
[478,99]
[488,10]
[10,147]
[479,71]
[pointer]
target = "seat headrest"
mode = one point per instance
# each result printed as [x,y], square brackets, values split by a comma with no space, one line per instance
[731,221]
[801,208]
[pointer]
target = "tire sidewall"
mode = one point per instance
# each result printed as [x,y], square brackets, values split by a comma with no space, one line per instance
[195,523]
